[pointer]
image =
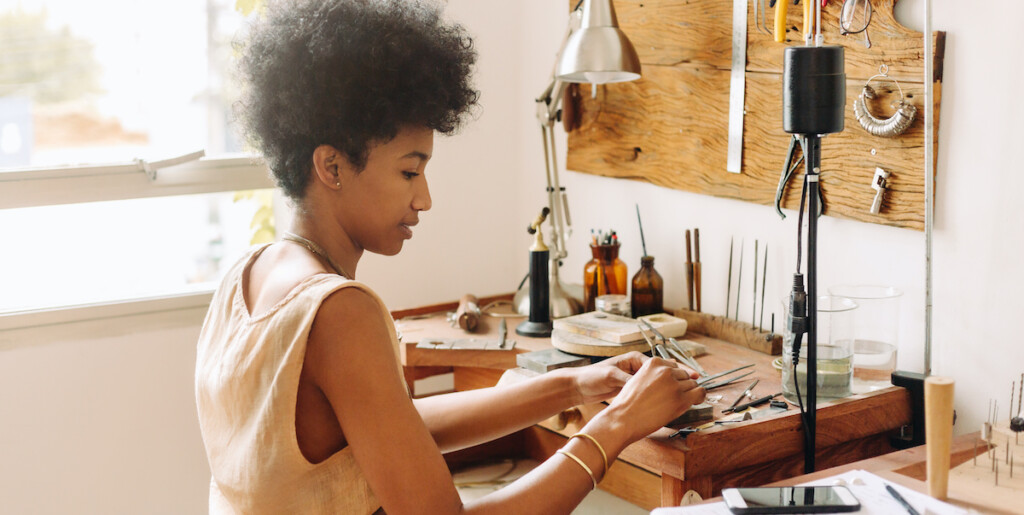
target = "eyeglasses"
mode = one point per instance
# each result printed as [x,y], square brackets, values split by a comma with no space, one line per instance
[855,17]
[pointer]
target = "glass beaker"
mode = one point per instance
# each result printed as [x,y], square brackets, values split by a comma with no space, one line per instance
[875,335]
[834,352]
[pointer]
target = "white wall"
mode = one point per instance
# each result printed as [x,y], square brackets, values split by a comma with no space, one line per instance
[100,418]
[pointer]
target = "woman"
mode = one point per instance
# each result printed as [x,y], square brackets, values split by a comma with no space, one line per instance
[302,403]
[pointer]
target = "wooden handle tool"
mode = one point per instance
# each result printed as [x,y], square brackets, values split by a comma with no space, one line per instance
[938,432]
[468,314]
[696,267]
[780,20]
[688,266]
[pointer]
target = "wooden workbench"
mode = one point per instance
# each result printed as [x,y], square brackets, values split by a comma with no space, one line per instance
[658,470]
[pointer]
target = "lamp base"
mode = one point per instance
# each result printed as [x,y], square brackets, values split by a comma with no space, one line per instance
[534,329]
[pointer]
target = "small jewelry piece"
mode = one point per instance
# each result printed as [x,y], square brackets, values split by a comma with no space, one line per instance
[890,127]
[315,249]
[580,462]
[599,447]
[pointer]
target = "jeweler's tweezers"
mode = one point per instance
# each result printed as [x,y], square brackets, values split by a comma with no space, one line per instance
[729,381]
[686,357]
[655,348]
[704,380]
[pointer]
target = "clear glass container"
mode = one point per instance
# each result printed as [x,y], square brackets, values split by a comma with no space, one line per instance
[834,352]
[648,290]
[875,334]
[613,304]
[604,274]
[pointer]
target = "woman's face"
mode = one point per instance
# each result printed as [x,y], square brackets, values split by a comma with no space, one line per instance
[382,203]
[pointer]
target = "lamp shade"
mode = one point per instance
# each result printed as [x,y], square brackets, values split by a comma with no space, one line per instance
[598,52]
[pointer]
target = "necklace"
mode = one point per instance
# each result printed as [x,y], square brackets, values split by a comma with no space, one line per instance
[315,249]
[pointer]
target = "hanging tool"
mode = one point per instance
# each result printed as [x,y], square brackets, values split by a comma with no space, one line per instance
[879,183]
[696,267]
[761,22]
[728,281]
[808,22]
[780,21]
[737,85]
[688,267]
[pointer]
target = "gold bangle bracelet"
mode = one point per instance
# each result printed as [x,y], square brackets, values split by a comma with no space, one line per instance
[580,462]
[599,447]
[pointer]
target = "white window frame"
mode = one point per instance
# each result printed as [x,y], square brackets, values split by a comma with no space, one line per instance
[138,179]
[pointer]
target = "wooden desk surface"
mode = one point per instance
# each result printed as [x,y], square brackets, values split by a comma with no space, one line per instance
[748,453]
[908,468]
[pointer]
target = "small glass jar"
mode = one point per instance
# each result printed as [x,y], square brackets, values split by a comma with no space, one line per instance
[613,304]
[648,289]
[604,274]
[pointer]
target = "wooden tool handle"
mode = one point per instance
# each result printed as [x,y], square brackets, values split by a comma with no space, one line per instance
[780,20]
[938,432]
[468,314]
[696,285]
[688,266]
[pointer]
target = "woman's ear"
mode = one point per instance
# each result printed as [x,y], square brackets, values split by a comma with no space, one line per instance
[328,163]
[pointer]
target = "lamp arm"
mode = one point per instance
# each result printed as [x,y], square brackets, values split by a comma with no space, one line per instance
[561,223]
[548,107]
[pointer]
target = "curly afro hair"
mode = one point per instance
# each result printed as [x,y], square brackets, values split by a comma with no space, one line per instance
[348,73]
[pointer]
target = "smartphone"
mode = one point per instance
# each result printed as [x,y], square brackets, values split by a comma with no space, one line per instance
[790,499]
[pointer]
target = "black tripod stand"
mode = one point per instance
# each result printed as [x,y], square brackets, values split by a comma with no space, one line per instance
[814,100]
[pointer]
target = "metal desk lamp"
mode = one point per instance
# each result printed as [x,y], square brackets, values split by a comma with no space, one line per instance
[594,51]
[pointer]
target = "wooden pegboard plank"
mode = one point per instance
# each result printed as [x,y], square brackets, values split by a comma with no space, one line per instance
[670,128]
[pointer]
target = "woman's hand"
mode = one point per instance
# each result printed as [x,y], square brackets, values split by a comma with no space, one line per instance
[603,380]
[658,392]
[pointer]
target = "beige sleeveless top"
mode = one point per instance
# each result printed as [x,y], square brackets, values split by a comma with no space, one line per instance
[247,377]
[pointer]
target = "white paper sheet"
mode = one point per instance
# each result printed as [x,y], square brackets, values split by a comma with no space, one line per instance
[868,488]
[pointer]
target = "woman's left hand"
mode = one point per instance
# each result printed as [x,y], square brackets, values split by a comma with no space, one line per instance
[602,381]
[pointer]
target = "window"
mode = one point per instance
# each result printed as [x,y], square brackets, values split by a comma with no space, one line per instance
[118,160]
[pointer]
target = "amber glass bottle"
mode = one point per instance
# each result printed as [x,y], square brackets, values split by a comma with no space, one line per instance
[604,274]
[648,289]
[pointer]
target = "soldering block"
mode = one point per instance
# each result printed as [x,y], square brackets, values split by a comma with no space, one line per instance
[696,413]
[549,359]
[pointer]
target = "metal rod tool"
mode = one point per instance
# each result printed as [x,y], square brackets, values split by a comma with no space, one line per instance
[728,281]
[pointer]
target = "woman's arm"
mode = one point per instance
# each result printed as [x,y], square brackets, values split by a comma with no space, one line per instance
[349,357]
[463,419]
